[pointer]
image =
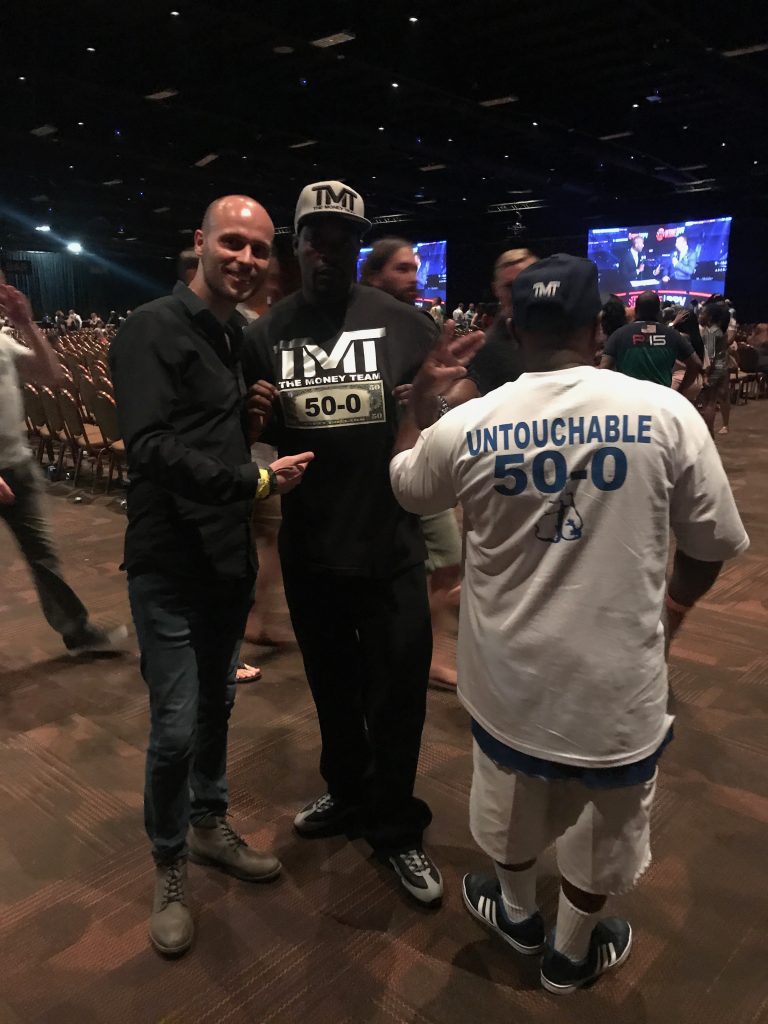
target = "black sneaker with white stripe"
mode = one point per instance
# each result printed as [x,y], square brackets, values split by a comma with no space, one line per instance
[483,899]
[418,875]
[324,816]
[609,946]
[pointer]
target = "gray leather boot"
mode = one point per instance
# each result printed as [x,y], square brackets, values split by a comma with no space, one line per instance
[213,842]
[170,927]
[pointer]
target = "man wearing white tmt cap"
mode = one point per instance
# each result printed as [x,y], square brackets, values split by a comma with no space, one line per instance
[569,480]
[322,366]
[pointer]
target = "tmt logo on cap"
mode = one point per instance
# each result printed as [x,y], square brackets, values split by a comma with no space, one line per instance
[326,196]
[545,291]
[330,197]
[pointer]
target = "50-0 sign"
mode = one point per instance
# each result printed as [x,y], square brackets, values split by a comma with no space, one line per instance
[549,471]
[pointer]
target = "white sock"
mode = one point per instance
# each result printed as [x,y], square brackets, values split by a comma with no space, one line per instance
[518,891]
[574,929]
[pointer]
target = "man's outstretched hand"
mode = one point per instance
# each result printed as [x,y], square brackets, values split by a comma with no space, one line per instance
[290,470]
[7,497]
[15,305]
[445,364]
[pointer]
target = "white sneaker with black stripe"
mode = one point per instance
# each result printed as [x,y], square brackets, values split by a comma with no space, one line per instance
[419,875]
[324,816]
[609,946]
[483,899]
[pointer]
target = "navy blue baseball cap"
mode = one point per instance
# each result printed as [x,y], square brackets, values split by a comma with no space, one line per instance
[560,291]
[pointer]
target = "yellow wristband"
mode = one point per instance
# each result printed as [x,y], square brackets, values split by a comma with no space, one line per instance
[264,489]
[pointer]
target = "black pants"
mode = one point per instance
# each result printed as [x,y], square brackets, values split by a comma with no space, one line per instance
[27,520]
[367,646]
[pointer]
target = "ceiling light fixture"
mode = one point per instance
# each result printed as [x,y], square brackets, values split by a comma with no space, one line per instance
[499,101]
[635,106]
[22,78]
[413,20]
[113,181]
[43,227]
[395,85]
[744,50]
[535,124]
[615,135]
[43,130]
[74,247]
[301,145]
[517,207]
[161,209]
[207,159]
[80,124]
[432,167]
[381,127]
[175,14]
[282,49]
[90,49]
[163,94]
[333,40]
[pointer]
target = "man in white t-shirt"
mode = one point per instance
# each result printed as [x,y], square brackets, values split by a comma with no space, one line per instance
[21,485]
[570,479]
[459,316]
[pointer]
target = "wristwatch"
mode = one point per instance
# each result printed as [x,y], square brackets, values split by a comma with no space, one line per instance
[272,481]
[442,406]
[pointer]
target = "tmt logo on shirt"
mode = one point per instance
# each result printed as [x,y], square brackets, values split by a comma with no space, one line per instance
[545,291]
[313,395]
[301,359]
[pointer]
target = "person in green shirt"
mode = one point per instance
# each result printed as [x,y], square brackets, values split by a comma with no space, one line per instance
[647,349]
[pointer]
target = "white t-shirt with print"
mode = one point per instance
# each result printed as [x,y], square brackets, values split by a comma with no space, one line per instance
[569,481]
[13,447]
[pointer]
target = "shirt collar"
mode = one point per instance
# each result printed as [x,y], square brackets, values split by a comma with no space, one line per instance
[197,308]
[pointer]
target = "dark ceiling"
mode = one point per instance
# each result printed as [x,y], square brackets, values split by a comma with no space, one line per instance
[618,109]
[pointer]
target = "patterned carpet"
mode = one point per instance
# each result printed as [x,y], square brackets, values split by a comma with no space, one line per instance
[334,941]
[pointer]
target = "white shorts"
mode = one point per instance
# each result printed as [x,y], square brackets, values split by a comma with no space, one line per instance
[603,836]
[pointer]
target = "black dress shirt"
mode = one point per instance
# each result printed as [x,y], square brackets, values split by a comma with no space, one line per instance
[181,408]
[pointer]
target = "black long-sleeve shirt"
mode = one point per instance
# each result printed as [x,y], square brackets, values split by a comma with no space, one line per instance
[181,408]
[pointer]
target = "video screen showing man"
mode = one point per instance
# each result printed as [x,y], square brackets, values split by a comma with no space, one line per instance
[684,260]
[632,264]
[681,260]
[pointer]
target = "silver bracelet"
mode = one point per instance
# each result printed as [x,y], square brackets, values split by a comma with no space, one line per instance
[442,406]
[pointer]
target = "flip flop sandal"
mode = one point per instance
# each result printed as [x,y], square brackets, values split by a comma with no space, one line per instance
[247,673]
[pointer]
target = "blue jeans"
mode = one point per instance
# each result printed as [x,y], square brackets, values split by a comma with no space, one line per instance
[189,634]
[28,521]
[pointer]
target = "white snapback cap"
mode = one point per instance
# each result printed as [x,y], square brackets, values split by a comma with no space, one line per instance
[331,197]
